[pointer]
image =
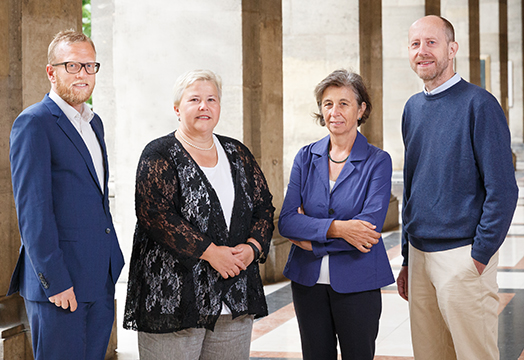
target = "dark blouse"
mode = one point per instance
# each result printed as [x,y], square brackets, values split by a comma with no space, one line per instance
[179,216]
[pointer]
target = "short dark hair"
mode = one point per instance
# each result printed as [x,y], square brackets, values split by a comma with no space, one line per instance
[343,78]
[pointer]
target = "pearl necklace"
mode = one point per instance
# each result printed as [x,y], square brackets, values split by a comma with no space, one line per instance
[337,162]
[196,147]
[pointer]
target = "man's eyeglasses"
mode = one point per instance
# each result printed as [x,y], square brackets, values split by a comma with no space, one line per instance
[73,67]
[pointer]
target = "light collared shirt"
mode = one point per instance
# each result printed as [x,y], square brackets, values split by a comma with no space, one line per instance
[454,80]
[82,123]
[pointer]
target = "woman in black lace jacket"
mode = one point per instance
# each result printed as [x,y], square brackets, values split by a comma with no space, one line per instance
[205,221]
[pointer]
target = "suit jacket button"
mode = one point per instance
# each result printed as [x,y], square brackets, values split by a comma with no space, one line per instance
[44,282]
[108,230]
[331,211]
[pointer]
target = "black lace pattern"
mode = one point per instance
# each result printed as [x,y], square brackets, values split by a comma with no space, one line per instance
[178,217]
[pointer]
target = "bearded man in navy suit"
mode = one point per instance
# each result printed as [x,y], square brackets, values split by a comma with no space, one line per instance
[70,259]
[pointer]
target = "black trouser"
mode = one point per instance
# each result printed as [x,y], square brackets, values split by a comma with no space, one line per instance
[323,315]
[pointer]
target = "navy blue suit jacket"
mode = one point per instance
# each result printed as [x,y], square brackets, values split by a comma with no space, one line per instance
[68,238]
[362,191]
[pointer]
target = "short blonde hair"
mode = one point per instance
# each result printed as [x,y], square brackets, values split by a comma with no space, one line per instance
[69,37]
[189,78]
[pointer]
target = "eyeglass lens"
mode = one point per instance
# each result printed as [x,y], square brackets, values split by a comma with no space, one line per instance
[75,67]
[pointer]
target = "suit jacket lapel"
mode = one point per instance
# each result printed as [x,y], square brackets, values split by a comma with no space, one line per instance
[358,153]
[320,164]
[96,124]
[73,135]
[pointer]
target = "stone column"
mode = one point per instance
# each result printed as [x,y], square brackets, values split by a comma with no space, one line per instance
[26,28]
[242,42]
[433,7]
[263,108]
[370,31]
[515,73]
[503,55]
[456,11]
[493,44]
[474,42]
[13,341]
[400,82]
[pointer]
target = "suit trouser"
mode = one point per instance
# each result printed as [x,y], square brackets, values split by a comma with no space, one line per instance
[59,334]
[324,315]
[453,309]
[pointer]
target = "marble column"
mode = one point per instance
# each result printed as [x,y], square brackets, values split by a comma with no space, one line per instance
[371,63]
[241,41]
[494,47]
[26,28]
[433,7]
[263,108]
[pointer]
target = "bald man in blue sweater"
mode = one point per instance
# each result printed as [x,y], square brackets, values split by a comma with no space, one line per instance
[460,194]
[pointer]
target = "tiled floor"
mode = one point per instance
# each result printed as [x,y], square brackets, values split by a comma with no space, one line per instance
[276,336]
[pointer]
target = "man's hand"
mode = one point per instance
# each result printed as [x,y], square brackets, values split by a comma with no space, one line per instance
[480,266]
[402,283]
[65,299]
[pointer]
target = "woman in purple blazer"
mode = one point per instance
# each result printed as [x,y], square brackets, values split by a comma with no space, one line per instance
[335,206]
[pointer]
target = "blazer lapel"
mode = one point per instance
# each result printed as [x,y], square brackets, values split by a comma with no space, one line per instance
[73,135]
[358,153]
[96,124]
[320,162]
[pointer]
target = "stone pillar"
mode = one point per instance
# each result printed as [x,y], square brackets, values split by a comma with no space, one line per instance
[474,42]
[242,43]
[492,36]
[263,108]
[317,39]
[433,7]
[515,73]
[400,82]
[370,31]
[456,11]
[26,28]
[503,55]
[139,66]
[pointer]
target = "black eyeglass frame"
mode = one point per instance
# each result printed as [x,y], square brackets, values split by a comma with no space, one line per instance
[82,65]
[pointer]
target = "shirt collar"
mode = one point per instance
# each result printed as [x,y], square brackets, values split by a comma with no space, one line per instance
[454,80]
[72,114]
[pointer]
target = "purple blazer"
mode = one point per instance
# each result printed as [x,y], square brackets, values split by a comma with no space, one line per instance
[362,191]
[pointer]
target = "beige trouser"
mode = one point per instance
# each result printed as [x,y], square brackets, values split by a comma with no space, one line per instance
[453,309]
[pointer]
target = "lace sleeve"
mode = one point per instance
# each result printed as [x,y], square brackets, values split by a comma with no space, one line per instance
[157,202]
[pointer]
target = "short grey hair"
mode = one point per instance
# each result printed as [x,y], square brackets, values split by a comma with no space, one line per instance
[348,79]
[189,78]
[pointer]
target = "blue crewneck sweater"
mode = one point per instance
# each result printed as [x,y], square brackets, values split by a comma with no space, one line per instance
[459,180]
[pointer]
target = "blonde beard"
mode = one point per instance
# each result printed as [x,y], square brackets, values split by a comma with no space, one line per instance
[68,94]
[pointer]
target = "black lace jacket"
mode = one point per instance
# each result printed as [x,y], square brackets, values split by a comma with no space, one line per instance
[179,216]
